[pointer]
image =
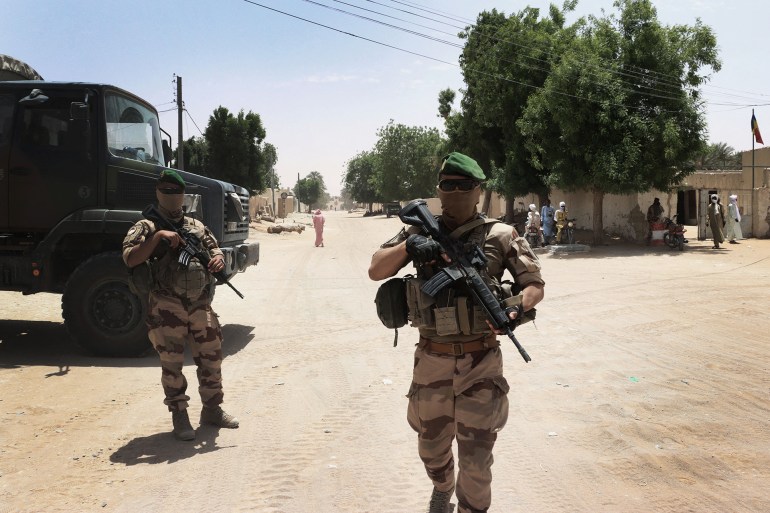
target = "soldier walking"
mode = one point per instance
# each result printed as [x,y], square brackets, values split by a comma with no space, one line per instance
[458,390]
[180,307]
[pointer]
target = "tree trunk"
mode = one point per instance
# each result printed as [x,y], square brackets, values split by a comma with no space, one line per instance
[598,215]
[542,196]
[487,200]
[509,210]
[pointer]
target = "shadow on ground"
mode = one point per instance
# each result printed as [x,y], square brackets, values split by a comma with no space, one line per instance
[164,448]
[46,343]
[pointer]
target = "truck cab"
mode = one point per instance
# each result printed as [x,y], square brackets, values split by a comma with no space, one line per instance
[78,164]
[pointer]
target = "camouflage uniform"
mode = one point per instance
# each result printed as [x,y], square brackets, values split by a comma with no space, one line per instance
[463,396]
[180,312]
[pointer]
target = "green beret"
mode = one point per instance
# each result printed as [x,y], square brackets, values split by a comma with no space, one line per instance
[171,176]
[458,164]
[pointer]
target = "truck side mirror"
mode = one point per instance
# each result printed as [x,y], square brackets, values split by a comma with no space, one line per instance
[35,97]
[167,154]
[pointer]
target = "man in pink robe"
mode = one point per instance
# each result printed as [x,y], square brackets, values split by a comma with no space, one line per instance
[318,224]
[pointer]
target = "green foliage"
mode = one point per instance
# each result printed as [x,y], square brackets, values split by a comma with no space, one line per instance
[505,61]
[311,190]
[619,112]
[270,158]
[360,182]
[195,155]
[445,100]
[718,156]
[408,159]
[402,165]
[235,149]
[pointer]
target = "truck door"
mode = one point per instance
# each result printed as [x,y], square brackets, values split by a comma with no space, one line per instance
[52,169]
[6,122]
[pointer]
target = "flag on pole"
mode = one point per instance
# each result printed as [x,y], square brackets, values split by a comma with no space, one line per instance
[755,129]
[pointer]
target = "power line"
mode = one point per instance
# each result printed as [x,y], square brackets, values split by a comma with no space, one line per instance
[415,6]
[441,60]
[413,32]
[634,75]
[194,123]
[671,80]
[664,93]
[349,33]
[631,71]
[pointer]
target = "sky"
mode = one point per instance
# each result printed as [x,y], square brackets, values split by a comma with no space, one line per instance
[323,92]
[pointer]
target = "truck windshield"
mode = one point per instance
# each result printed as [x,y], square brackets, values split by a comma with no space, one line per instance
[133,130]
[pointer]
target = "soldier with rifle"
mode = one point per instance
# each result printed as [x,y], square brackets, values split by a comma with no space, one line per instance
[184,260]
[460,303]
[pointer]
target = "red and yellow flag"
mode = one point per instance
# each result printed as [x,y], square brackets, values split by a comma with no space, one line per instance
[755,129]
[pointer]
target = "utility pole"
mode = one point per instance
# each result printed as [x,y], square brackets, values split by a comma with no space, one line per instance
[179,109]
[272,188]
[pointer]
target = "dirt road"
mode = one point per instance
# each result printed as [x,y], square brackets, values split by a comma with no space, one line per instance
[648,391]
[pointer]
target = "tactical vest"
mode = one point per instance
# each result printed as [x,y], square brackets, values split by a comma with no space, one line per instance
[452,311]
[171,277]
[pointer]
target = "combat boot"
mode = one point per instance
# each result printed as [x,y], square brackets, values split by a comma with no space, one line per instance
[218,417]
[439,501]
[183,430]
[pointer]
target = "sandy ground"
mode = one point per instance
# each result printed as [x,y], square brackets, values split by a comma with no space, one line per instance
[647,392]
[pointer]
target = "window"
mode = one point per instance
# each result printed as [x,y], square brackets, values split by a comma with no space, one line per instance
[47,126]
[133,130]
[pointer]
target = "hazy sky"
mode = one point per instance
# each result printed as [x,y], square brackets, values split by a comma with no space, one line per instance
[322,94]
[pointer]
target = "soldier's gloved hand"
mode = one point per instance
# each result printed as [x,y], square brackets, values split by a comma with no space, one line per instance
[422,249]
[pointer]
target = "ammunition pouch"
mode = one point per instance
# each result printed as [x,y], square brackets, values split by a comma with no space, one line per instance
[419,304]
[460,315]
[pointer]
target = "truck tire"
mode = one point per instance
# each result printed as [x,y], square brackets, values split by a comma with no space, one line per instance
[100,311]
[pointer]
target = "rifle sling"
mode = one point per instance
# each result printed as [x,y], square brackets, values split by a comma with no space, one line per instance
[458,232]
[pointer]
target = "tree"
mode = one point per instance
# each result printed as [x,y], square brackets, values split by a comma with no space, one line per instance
[310,190]
[504,62]
[407,159]
[235,148]
[360,180]
[718,156]
[196,155]
[270,158]
[620,111]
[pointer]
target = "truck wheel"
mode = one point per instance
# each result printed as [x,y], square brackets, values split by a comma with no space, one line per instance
[100,311]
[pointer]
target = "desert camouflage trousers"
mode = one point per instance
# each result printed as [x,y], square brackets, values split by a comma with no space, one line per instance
[464,398]
[174,322]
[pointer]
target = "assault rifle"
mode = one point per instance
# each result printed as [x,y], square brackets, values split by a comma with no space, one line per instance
[463,269]
[192,246]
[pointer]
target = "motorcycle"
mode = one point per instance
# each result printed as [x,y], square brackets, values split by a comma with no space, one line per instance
[533,236]
[673,237]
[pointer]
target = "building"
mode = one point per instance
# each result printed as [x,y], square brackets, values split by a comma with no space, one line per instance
[625,215]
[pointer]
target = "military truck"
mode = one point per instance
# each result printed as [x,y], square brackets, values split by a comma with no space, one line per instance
[78,163]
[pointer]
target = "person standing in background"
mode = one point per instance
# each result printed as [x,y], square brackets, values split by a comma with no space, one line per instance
[546,217]
[716,220]
[179,309]
[318,224]
[654,213]
[561,220]
[733,226]
[534,222]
